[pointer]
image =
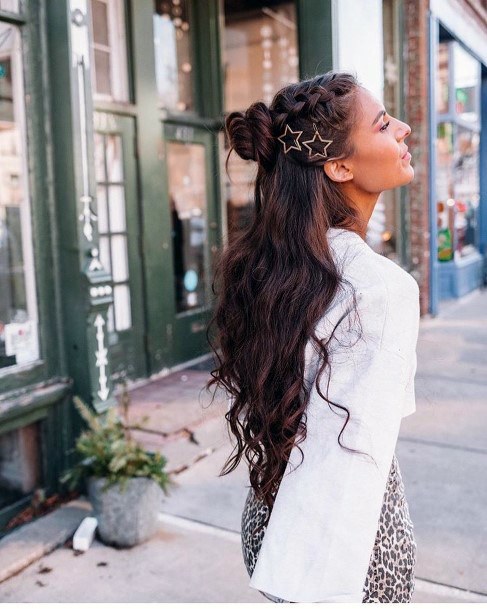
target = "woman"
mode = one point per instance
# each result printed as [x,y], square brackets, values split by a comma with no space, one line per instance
[317,336]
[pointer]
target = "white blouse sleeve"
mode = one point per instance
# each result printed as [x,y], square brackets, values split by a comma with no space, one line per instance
[322,528]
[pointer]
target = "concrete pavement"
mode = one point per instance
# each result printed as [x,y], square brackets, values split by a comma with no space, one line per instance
[196,557]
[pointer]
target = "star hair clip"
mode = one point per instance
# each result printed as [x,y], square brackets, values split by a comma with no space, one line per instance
[317,136]
[290,139]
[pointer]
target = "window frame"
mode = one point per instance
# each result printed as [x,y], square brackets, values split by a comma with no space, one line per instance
[14,380]
[118,45]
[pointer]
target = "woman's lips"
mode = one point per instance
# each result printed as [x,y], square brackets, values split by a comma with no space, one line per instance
[406,156]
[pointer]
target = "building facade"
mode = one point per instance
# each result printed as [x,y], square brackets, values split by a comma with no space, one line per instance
[114,199]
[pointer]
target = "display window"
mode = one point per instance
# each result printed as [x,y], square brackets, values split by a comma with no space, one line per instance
[18,306]
[173,30]
[457,152]
[260,55]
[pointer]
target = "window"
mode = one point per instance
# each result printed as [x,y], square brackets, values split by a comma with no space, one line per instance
[112,226]
[187,194]
[466,84]
[172,46]
[18,310]
[260,55]
[260,51]
[457,152]
[384,228]
[109,50]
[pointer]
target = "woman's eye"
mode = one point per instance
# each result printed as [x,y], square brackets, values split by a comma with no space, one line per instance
[384,127]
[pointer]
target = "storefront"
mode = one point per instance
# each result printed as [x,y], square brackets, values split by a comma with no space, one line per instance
[114,199]
[34,410]
[458,193]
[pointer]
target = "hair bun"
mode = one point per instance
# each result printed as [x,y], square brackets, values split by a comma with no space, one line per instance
[250,134]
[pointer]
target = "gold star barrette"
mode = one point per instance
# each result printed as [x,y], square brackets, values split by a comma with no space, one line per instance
[311,152]
[291,135]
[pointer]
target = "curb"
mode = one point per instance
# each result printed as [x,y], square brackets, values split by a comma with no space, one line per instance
[33,540]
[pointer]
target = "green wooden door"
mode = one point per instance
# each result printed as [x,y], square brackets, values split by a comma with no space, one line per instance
[192,200]
[119,229]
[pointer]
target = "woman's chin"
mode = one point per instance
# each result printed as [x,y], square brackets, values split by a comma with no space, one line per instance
[409,176]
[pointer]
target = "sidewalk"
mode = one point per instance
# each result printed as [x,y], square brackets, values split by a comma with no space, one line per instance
[196,557]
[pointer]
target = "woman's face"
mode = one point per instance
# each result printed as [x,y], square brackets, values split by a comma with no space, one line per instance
[381,160]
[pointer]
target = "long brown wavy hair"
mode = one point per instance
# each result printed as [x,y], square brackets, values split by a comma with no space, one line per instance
[278,277]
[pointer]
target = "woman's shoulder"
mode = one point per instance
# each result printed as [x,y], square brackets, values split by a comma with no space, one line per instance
[369,271]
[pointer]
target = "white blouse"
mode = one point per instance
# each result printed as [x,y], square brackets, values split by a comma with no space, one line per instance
[321,533]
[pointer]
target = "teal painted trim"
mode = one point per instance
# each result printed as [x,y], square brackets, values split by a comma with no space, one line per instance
[32,398]
[155,218]
[65,183]
[39,167]
[315,37]
[208,84]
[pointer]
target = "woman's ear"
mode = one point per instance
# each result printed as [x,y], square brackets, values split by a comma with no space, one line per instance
[338,170]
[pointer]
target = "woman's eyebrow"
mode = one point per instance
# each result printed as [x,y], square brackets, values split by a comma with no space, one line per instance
[381,113]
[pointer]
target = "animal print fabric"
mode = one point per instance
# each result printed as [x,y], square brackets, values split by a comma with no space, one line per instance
[390,576]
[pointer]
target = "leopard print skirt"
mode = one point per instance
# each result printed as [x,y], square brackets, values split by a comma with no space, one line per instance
[390,576]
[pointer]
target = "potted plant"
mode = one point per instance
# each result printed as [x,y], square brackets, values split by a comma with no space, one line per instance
[124,481]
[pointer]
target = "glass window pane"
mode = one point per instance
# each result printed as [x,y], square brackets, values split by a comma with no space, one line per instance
[467,84]
[101,200]
[172,45]
[105,253]
[120,271]
[466,191]
[123,317]
[114,158]
[260,51]
[116,195]
[108,43]
[443,78]
[102,72]
[99,158]
[187,192]
[100,22]
[18,315]
[110,319]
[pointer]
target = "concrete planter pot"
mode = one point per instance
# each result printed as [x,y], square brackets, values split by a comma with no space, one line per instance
[126,517]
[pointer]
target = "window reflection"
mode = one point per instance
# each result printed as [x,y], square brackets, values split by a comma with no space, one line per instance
[260,55]
[18,324]
[188,206]
[174,66]
[457,154]
[109,49]
[383,230]
[260,52]
[467,80]
[442,79]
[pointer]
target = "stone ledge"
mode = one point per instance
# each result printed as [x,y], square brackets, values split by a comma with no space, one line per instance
[35,539]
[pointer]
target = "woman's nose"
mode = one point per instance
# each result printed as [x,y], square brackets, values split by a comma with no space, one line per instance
[404,131]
